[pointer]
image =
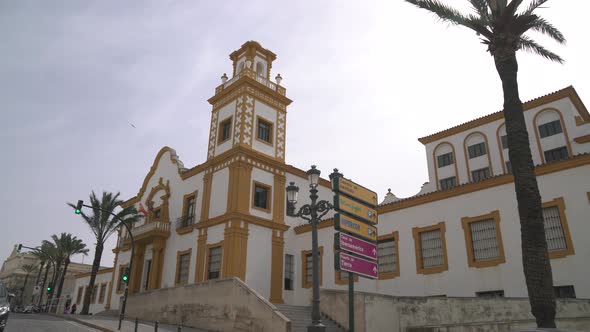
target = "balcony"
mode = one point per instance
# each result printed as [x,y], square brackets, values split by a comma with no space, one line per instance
[252,75]
[147,232]
[184,224]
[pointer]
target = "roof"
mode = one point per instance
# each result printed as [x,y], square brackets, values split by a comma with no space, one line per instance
[568,92]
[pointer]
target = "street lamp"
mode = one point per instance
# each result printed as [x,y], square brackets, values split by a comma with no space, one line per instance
[313,213]
[78,210]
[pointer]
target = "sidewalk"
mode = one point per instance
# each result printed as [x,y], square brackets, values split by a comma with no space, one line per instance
[110,324]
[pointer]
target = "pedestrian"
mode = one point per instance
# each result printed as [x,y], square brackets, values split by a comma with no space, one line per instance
[73,310]
[67,310]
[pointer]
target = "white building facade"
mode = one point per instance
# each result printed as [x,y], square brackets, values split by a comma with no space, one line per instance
[458,237]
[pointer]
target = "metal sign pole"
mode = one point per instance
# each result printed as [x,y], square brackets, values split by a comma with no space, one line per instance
[350,302]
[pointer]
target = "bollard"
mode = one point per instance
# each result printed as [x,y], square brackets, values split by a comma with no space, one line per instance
[136,323]
[156,327]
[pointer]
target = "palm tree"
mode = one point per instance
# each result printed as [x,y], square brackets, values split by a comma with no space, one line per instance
[67,246]
[103,224]
[45,252]
[53,253]
[28,269]
[503,30]
[42,261]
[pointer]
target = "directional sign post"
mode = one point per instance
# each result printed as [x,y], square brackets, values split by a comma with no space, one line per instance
[356,214]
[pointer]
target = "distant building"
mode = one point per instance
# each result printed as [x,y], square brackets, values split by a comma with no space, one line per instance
[458,237]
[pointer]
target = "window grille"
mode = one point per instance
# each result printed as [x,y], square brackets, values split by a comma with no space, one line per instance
[504,140]
[183,268]
[289,272]
[550,129]
[214,262]
[484,239]
[432,248]
[448,183]
[553,229]
[556,154]
[386,255]
[477,150]
[480,174]
[264,129]
[445,159]
[190,209]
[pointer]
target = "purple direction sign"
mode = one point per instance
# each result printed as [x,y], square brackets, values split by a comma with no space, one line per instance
[355,245]
[356,265]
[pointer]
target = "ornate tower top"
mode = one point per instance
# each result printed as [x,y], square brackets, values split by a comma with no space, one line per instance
[252,55]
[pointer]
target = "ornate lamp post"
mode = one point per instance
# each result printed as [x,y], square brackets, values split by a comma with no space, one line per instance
[313,213]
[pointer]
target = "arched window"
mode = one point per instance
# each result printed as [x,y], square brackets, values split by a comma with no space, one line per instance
[260,70]
[477,157]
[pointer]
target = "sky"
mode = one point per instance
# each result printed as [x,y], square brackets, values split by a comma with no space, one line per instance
[90,91]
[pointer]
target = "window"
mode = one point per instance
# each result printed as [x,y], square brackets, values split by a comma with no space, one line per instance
[490,294]
[508,167]
[146,274]
[448,183]
[261,196]
[80,293]
[388,256]
[264,132]
[183,259]
[157,214]
[289,271]
[445,159]
[504,140]
[564,292]
[103,290]
[483,240]
[556,154]
[224,130]
[477,150]
[188,217]
[307,267]
[431,255]
[557,235]
[93,294]
[550,129]
[214,265]
[480,174]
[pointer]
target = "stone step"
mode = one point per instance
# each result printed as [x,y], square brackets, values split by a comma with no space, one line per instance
[300,317]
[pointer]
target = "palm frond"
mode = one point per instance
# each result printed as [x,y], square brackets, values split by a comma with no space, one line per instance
[480,6]
[530,45]
[541,25]
[534,5]
[442,11]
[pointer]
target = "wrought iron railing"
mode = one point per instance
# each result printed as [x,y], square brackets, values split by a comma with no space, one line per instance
[185,221]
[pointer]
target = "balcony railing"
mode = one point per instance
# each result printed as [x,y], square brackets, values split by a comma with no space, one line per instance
[258,78]
[185,221]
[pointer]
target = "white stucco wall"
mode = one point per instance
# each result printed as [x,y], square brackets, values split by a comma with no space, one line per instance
[266,178]
[270,115]
[219,188]
[95,306]
[259,258]
[224,113]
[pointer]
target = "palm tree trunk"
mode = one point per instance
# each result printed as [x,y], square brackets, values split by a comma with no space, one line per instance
[61,282]
[22,295]
[37,280]
[43,286]
[535,259]
[95,267]
[53,284]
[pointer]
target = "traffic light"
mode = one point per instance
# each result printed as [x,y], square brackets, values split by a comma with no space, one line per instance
[49,288]
[125,276]
[79,207]
[19,248]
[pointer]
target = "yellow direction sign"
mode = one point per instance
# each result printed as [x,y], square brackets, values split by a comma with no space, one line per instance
[354,190]
[354,208]
[356,227]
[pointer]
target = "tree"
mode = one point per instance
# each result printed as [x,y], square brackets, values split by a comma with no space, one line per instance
[43,254]
[503,30]
[28,269]
[53,254]
[103,224]
[67,246]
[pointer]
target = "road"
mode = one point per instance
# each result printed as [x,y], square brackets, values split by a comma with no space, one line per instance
[44,323]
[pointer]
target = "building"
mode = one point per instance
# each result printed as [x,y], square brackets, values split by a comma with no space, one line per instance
[459,237]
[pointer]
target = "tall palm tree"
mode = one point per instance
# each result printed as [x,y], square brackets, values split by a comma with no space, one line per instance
[42,262]
[67,246]
[503,29]
[54,254]
[28,269]
[103,224]
[47,251]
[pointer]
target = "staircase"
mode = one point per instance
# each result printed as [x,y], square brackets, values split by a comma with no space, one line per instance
[300,317]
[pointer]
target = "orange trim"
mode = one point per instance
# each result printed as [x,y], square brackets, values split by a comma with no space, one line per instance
[179,255]
[567,140]
[416,232]
[434,157]
[309,283]
[271,129]
[568,92]
[395,237]
[560,204]
[101,271]
[471,262]
[485,139]
[582,139]
[220,139]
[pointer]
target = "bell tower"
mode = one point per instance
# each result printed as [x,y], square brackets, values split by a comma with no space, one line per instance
[249,109]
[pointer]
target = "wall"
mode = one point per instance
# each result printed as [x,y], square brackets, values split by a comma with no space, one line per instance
[216,305]
[102,277]
[375,312]
[259,259]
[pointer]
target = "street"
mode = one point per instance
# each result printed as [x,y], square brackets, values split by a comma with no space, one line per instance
[38,322]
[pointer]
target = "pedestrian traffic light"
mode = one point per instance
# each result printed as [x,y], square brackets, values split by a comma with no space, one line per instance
[125,276]
[79,206]
[19,247]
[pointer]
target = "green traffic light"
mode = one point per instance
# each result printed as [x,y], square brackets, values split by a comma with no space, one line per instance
[78,211]
[48,289]
[125,278]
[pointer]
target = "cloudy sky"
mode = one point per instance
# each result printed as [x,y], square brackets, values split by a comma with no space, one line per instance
[367,79]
